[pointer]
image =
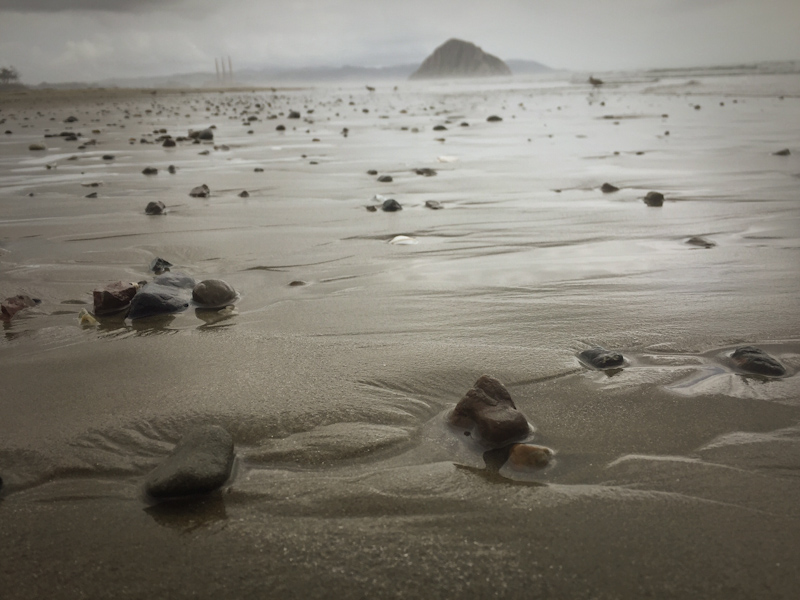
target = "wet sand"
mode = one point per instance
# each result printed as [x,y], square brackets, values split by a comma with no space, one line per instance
[676,477]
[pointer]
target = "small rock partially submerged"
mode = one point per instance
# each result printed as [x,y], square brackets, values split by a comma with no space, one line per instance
[494,119]
[425,172]
[488,412]
[527,456]
[607,188]
[433,204]
[149,171]
[244,194]
[391,205]
[201,191]
[654,199]
[202,134]
[213,293]
[200,463]
[159,265]
[700,242]
[601,359]
[113,298]
[784,152]
[385,179]
[755,360]
[166,294]
[11,306]
[155,207]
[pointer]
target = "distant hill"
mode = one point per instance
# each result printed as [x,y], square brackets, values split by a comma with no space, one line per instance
[457,58]
[526,67]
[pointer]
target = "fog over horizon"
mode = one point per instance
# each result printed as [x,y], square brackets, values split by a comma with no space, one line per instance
[90,40]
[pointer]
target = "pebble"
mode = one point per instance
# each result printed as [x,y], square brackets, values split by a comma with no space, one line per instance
[385,179]
[494,119]
[156,207]
[784,152]
[600,358]
[150,171]
[701,242]
[201,191]
[391,205]
[755,360]
[426,172]
[433,204]
[654,199]
[526,456]
[488,408]
[200,463]
[244,194]
[607,188]
[213,293]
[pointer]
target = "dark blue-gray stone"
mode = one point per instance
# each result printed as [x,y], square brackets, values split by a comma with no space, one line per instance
[201,462]
[600,358]
[755,360]
[391,205]
[148,304]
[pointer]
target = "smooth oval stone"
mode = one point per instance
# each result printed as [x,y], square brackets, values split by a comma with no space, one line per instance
[440,128]
[701,242]
[494,119]
[148,304]
[433,204]
[213,292]
[488,408]
[391,205]
[607,188]
[525,456]
[156,207]
[600,358]
[150,171]
[755,360]
[425,172]
[201,462]
[654,199]
[385,179]
[293,114]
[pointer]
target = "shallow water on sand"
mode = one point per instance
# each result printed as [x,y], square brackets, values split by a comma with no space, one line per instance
[676,476]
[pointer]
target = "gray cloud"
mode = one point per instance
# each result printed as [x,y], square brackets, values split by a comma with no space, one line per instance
[49,6]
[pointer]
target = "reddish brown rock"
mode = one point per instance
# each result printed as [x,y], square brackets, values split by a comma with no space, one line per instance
[488,410]
[14,304]
[114,297]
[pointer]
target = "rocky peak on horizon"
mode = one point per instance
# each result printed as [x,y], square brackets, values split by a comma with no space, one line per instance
[457,58]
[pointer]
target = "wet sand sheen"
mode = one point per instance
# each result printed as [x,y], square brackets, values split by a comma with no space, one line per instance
[674,477]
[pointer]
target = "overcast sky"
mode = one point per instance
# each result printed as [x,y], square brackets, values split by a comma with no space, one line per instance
[88,40]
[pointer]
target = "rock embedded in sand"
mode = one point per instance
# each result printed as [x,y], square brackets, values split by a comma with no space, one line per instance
[201,462]
[488,408]
[385,179]
[391,205]
[600,358]
[244,194]
[494,119]
[201,191]
[372,172]
[150,171]
[202,134]
[425,172]
[293,114]
[440,128]
[433,204]
[169,143]
[784,152]
[149,304]
[700,242]
[37,147]
[280,128]
[11,306]
[526,456]
[654,199]
[159,265]
[607,188]
[114,297]
[213,293]
[156,207]
[755,360]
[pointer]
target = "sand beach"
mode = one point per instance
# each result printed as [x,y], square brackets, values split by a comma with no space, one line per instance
[673,477]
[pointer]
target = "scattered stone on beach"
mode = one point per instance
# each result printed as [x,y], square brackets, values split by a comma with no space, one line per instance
[526,456]
[440,128]
[201,462]
[169,143]
[213,293]
[148,304]
[372,208]
[201,191]
[150,171]
[11,306]
[700,242]
[601,359]
[385,179]
[391,205]
[113,298]
[37,147]
[784,152]
[171,169]
[433,204]
[92,195]
[293,114]
[372,172]
[494,119]
[755,360]
[607,188]
[159,265]
[202,134]
[297,283]
[244,194]
[403,240]
[108,157]
[425,172]
[487,408]
[654,199]
[280,128]
[595,81]
[71,119]
[155,207]
[175,280]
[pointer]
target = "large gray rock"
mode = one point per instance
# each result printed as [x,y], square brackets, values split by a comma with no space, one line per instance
[488,411]
[457,58]
[755,360]
[149,304]
[200,463]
